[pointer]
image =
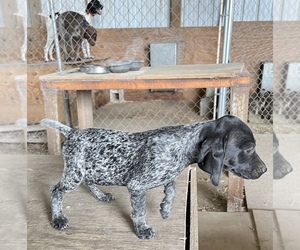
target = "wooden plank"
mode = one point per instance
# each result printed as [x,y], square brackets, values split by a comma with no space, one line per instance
[51,112]
[151,73]
[106,84]
[226,231]
[286,192]
[76,75]
[289,227]
[175,13]
[235,194]
[194,209]
[13,196]
[94,224]
[264,228]
[85,109]
[239,99]
[259,193]
[193,71]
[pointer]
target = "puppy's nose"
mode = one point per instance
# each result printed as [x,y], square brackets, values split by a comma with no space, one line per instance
[262,169]
[258,171]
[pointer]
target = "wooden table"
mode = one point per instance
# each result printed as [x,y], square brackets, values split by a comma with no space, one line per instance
[163,77]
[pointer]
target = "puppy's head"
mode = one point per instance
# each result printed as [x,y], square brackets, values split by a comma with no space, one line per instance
[94,7]
[230,146]
[89,33]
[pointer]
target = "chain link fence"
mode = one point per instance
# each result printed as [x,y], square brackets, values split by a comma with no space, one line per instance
[166,32]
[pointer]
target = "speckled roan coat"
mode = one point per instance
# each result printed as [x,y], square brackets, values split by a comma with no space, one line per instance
[149,159]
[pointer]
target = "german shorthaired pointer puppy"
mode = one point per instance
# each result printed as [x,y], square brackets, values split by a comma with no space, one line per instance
[145,160]
[281,167]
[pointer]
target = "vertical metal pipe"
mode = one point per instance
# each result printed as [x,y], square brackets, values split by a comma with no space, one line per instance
[56,42]
[65,94]
[218,54]
[226,52]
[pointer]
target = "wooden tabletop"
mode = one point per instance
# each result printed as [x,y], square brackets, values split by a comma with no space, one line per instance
[175,76]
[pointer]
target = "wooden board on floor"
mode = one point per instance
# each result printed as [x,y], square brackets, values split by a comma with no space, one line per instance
[94,224]
[226,231]
[289,227]
[286,191]
[264,228]
[13,202]
[259,193]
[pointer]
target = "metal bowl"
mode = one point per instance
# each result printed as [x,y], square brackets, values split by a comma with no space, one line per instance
[84,68]
[97,69]
[120,66]
[135,65]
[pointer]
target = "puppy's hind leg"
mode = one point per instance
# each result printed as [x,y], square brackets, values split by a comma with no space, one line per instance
[166,205]
[138,215]
[70,181]
[98,194]
[59,221]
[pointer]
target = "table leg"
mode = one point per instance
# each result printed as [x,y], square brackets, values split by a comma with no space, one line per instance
[51,112]
[85,108]
[239,102]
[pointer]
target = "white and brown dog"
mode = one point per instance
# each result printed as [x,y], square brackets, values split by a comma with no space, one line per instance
[93,8]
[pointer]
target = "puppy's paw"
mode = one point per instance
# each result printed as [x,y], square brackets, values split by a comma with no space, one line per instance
[165,210]
[107,197]
[60,223]
[145,232]
[164,214]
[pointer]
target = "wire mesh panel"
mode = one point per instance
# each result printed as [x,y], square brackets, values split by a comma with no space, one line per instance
[125,31]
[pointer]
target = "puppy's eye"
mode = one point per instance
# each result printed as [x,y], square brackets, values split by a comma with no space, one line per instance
[249,150]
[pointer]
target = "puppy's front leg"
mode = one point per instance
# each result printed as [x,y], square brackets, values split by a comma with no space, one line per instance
[138,215]
[166,205]
[98,194]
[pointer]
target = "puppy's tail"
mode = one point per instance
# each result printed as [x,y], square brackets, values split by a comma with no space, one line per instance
[65,130]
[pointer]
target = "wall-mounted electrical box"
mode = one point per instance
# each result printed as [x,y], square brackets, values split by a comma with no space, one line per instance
[267,77]
[292,77]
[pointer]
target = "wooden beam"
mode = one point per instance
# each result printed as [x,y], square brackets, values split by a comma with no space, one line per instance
[175,16]
[34,7]
[85,109]
[10,7]
[239,107]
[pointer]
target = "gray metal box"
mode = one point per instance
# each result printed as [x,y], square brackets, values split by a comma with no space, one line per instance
[163,54]
[293,77]
[267,77]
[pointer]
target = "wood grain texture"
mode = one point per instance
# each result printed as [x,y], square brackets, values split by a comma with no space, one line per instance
[193,71]
[162,77]
[94,224]
[264,227]
[226,231]
[289,227]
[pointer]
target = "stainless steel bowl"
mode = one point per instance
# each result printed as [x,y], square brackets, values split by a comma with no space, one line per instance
[94,69]
[120,66]
[135,65]
[84,68]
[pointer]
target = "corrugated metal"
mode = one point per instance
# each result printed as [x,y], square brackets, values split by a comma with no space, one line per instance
[2,21]
[195,13]
[286,10]
[134,14]
[206,12]
[200,13]
[121,14]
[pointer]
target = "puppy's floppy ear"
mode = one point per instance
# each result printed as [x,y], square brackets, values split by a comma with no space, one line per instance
[212,162]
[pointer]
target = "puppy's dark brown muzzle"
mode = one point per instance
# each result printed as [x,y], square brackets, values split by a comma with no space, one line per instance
[258,171]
